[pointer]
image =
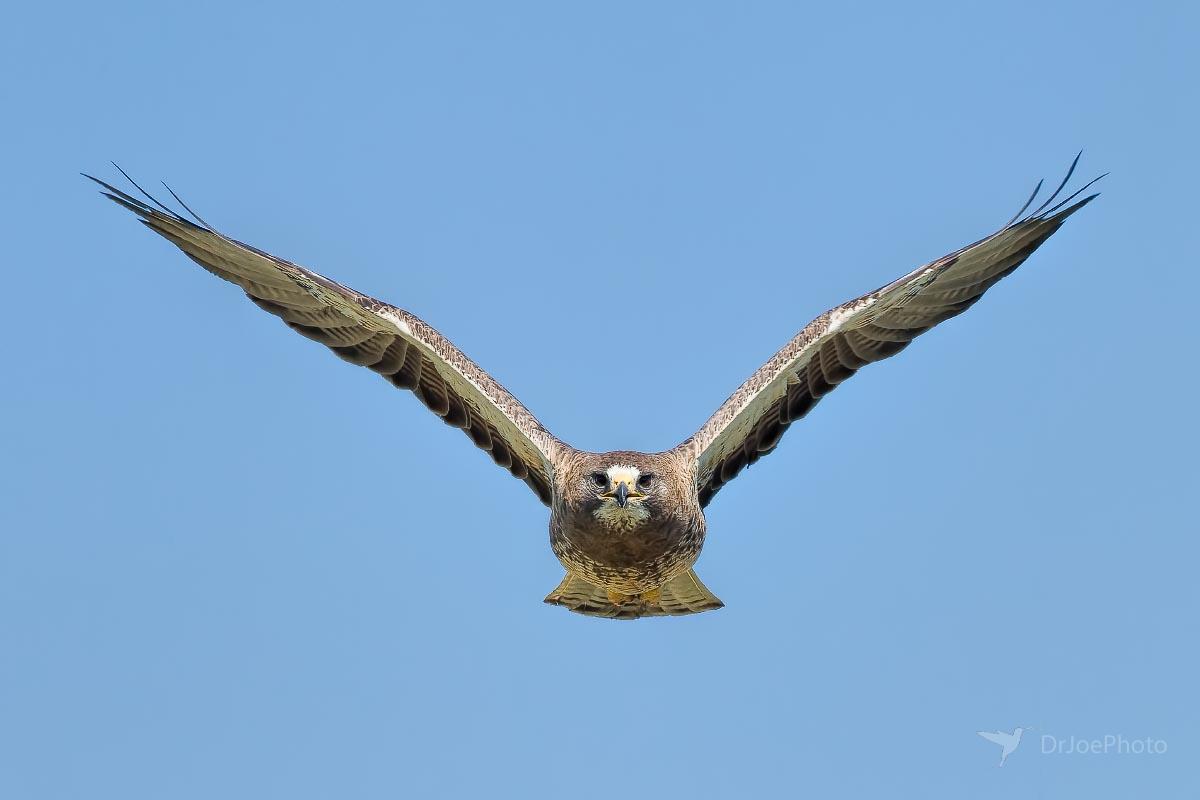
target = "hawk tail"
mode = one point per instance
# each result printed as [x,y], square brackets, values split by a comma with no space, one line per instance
[683,594]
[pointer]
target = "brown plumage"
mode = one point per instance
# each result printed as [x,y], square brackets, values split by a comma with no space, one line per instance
[629,546]
[627,526]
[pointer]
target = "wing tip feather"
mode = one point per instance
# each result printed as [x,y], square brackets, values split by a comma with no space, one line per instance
[146,210]
[1046,211]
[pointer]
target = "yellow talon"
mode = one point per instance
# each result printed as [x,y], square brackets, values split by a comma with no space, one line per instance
[653,596]
[616,598]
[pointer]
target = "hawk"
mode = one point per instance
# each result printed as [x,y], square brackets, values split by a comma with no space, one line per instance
[627,526]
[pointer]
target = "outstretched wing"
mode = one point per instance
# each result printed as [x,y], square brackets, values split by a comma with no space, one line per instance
[996,737]
[370,333]
[870,328]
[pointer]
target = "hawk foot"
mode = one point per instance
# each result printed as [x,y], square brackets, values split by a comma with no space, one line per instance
[651,596]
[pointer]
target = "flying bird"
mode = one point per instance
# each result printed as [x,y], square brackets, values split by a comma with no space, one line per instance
[1007,741]
[627,526]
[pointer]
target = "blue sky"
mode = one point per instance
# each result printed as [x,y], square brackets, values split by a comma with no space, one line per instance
[234,566]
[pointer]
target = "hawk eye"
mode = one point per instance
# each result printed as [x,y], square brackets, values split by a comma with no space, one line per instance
[600,479]
[644,481]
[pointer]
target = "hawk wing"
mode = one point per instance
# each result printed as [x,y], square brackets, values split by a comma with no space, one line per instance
[870,328]
[372,334]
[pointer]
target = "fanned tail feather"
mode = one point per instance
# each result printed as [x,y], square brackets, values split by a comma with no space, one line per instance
[683,594]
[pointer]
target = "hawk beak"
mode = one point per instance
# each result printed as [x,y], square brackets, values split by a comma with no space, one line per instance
[622,493]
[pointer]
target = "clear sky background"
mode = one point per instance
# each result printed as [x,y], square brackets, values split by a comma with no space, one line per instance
[232,565]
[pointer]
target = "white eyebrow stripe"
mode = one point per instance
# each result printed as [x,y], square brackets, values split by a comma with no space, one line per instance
[623,472]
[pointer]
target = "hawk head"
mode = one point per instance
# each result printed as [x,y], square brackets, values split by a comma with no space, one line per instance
[626,490]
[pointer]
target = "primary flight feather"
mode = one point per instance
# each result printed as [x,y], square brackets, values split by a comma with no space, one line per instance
[627,526]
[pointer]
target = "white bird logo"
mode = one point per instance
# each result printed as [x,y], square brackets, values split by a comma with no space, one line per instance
[1008,741]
